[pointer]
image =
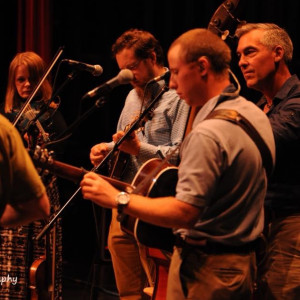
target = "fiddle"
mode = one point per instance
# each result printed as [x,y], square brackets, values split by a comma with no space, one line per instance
[37,279]
[27,106]
[35,124]
[42,274]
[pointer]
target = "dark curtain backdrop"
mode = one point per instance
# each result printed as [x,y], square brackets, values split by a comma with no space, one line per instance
[86,30]
[34,27]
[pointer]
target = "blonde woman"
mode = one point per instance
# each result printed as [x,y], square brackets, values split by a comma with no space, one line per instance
[19,252]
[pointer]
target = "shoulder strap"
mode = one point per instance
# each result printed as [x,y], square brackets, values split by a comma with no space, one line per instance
[236,118]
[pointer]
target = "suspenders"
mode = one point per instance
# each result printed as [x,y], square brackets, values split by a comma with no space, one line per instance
[236,118]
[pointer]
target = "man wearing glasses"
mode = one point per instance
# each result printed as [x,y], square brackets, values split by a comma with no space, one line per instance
[140,52]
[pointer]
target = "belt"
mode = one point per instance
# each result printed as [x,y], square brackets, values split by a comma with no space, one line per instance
[214,247]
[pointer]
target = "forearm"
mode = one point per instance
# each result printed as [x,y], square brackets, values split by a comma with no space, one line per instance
[163,211]
[21,214]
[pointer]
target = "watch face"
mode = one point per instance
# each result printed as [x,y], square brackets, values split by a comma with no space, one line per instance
[123,198]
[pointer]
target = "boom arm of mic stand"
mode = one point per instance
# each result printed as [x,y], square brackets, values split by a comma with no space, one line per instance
[117,144]
[48,226]
[133,127]
[97,104]
[70,77]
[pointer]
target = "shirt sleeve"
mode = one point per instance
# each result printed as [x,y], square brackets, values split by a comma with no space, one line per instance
[23,182]
[286,123]
[165,132]
[200,168]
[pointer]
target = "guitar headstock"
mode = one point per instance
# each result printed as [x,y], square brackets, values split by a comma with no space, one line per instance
[42,158]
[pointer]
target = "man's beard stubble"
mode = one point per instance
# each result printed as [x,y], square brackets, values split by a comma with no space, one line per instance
[140,91]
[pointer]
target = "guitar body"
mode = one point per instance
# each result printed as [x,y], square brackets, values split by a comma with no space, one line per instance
[161,260]
[117,164]
[162,182]
[155,179]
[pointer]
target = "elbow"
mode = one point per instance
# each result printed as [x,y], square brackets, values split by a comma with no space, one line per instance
[188,223]
[24,213]
[189,216]
[186,220]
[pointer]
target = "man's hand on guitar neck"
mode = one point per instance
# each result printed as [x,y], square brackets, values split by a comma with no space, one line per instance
[131,145]
[98,152]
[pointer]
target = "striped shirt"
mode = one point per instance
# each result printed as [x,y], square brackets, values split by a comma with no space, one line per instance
[161,134]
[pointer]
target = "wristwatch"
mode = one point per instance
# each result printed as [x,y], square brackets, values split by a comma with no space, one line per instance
[122,200]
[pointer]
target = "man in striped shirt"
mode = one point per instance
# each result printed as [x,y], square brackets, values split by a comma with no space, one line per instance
[140,52]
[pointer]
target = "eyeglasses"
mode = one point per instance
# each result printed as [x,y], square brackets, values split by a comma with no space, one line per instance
[134,65]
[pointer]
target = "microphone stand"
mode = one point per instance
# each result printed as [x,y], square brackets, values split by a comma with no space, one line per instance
[46,106]
[99,102]
[133,127]
[70,77]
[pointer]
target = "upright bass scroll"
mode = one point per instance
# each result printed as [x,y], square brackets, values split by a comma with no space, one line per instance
[225,19]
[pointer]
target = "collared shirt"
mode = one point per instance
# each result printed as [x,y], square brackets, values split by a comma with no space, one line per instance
[284,186]
[162,133]
[221,172]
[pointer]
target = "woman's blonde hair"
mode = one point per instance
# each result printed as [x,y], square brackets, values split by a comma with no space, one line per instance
[36,69]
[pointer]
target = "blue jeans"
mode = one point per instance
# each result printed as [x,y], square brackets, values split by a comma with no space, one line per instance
[281,270]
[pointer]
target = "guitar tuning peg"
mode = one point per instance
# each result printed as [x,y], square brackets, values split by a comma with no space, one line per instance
[46,172]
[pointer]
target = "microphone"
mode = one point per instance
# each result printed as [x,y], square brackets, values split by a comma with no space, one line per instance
[124,77]
[96,70]
[165,76]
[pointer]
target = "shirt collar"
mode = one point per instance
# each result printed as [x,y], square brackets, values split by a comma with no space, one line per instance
[286,89]
[211,104]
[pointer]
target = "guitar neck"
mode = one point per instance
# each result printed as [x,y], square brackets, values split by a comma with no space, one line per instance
[63,170]
[75,174]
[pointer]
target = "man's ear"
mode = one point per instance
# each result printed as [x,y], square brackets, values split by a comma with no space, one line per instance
[203,63]
[279,52]
[153,57]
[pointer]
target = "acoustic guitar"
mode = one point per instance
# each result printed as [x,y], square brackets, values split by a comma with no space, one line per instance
[156,178]
[44,162]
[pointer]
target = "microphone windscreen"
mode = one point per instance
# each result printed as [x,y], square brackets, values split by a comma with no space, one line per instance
[125,76]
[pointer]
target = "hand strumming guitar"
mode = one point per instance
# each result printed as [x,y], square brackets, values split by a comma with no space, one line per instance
[98,190]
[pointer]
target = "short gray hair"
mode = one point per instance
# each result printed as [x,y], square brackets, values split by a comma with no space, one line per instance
[273,36]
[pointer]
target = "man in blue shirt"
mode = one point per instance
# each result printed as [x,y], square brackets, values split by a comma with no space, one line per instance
[264,52]
[217,212]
